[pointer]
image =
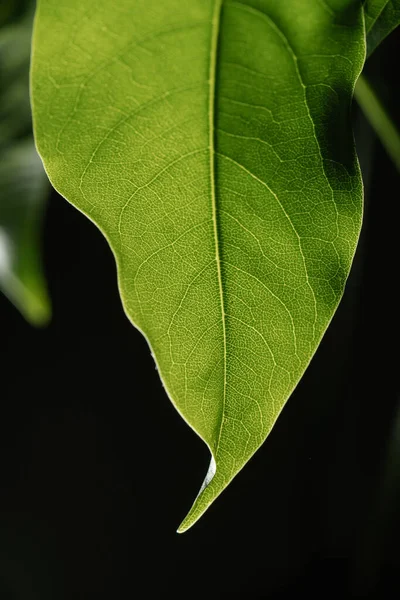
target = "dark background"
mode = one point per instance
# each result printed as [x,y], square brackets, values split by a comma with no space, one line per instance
[97,469]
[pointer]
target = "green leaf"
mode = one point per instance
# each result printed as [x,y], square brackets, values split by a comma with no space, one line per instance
[381,17]
[379,119]
[23,182]
[213,148]
[15,112]
[23,187]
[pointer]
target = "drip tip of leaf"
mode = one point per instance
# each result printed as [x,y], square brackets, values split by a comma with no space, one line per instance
[199,505]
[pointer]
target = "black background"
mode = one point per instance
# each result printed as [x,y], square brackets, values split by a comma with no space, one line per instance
[97,469]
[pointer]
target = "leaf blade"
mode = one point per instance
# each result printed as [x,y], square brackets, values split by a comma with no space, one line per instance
[239,268]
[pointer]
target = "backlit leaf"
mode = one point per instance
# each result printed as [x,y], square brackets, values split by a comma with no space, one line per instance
[211,144]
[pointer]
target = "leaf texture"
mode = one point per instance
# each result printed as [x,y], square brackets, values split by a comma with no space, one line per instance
[211,143]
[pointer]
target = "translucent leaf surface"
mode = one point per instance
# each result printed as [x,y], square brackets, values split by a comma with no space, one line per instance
[211,143]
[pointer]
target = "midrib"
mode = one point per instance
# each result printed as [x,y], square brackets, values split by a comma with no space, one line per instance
[212,80]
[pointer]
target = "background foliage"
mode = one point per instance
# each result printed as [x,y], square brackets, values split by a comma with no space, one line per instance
[23,184]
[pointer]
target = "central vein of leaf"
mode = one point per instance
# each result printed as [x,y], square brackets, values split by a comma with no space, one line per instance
[212,79]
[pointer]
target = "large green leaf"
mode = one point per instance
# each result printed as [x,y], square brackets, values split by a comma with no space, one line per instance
[213,148]
[23,182]
[381,17]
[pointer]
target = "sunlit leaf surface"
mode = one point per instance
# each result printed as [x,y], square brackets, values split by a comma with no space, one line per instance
[211,143]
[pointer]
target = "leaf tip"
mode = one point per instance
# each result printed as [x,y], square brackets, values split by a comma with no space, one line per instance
[203,500]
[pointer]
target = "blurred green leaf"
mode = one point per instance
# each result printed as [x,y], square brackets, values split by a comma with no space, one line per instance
[381,17]
[379,118]
[23,183]
[23,188]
